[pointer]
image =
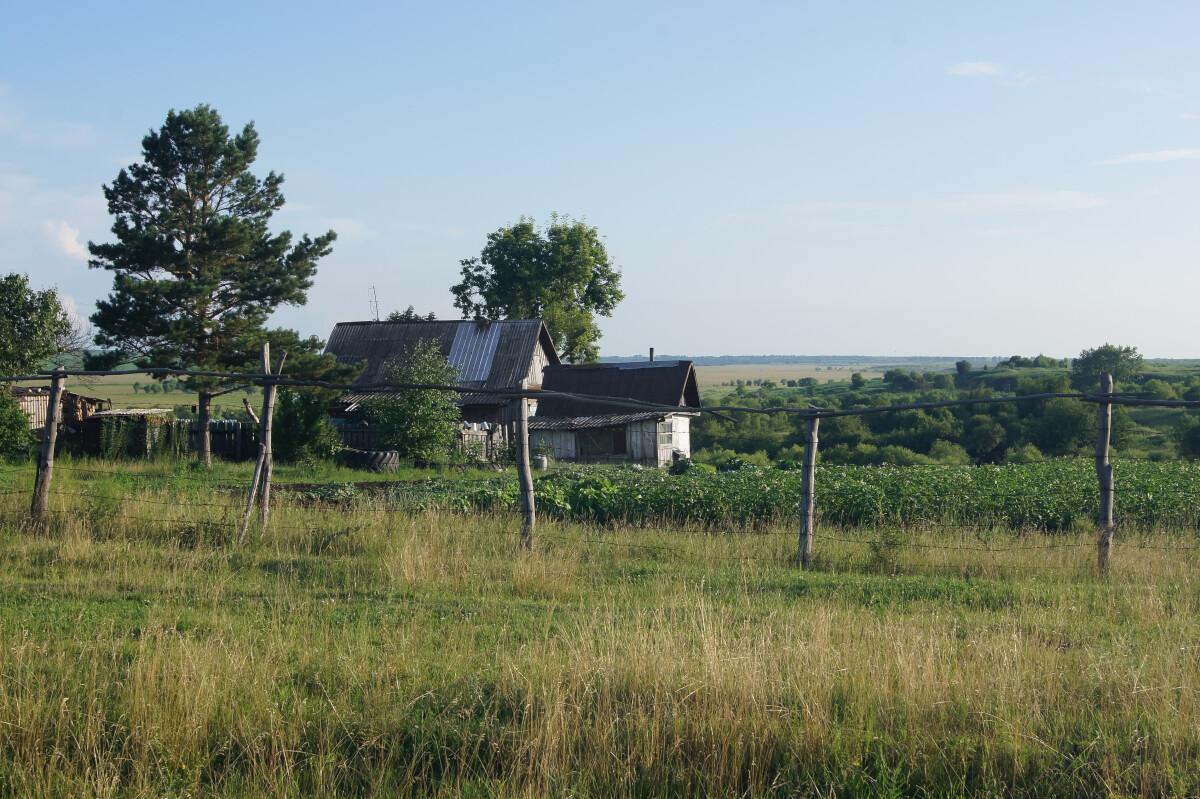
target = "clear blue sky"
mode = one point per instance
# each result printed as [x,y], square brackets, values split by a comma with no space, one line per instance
[800,178]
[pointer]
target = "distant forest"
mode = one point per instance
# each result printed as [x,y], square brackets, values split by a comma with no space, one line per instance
[1017,432]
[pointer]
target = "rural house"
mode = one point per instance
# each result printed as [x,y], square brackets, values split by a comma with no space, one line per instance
[578,430]
[506,354]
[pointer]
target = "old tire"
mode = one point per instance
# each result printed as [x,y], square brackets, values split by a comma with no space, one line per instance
[373,460]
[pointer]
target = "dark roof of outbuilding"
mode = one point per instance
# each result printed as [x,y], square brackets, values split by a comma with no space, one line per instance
[492,355]
[670,383]
[540,422]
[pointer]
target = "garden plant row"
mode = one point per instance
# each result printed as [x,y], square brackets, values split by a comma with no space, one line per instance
[1055,495]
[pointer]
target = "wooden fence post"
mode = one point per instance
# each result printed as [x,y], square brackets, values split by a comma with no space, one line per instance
[1104,473]
[267,417]
[525,476]
[807,485]
[45,469]
[262,451]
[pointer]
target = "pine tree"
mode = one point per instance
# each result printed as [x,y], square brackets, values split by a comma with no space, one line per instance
[196,270]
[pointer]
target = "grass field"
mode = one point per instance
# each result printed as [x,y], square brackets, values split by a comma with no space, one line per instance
[708,376]
[120,390]
[352,650]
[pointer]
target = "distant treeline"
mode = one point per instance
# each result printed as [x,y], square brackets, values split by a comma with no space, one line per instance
[979,434]
[873,363]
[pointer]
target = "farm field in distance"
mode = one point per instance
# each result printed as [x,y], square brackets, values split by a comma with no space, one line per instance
[120,390]
[709,376]
[356,647]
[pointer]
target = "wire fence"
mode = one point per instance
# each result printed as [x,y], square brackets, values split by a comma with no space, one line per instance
[965,519]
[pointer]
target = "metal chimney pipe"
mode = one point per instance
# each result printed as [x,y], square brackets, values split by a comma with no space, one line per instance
[652,353]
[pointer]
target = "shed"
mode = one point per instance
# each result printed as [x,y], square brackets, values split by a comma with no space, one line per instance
[75,407]
[582,430]
[505,354]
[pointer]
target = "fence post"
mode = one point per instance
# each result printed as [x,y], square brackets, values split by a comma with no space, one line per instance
[262,448]
[45,470]
[524,475]
[1104,473]
[268,456]
[807,484]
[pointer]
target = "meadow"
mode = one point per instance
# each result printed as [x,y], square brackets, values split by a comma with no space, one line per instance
[359,647]
[724,375]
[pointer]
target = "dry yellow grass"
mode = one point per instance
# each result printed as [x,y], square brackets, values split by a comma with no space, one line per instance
[356,650]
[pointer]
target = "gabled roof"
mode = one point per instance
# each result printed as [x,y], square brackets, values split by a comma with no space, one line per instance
[489,354]
[660,382]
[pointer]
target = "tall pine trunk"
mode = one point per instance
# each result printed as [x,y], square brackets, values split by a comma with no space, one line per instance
[205,436]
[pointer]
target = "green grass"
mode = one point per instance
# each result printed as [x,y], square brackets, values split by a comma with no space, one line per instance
[358,650]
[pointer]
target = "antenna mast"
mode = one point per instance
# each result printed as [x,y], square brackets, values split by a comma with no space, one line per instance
[373,301]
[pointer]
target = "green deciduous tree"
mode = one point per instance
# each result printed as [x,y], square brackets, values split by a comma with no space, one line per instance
[410,314]
[420,424]
[196,272]
[561,274]
[17,441]
[1186,436]
[33,326]
[1123,363]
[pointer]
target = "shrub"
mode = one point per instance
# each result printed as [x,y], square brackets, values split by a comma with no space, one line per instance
[419,424]
[302,430]
[949,453]
[1026,453]
[17,441]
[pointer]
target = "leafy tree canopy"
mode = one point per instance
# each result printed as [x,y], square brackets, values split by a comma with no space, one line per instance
[420,424]
[410,314]
[33,326]
[1123,363]
[561,274]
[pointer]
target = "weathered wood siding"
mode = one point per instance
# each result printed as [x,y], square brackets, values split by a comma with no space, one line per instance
[562,442]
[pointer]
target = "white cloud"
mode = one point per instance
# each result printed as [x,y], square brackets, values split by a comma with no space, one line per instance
[66,238]
[349,228]
[976,69]
[1017,202]
[989,70]
[1189,116]
[45,132]
[1146,87]
[1159,157]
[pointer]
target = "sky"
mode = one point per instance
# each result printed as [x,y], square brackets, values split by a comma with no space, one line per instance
[803,178]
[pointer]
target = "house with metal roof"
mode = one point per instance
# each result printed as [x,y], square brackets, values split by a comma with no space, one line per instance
[586,430]
[504,354]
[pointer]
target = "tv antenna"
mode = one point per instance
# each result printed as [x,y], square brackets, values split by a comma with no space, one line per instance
[374,303]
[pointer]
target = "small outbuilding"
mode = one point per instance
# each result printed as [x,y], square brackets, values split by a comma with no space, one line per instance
[582,430]
[504,354]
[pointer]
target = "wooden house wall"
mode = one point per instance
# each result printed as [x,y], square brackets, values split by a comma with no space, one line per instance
[35,407]
[561,442]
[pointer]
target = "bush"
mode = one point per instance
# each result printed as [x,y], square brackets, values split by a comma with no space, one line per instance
[17,441]
[1187,436]
[949,453]
[419,424]
[301,428]
[1027,453]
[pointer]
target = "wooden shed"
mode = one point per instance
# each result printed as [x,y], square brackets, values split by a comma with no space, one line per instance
[579,430]
[505,354]
[75,407]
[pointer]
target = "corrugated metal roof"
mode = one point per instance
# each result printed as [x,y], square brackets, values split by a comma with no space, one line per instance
[494,355]
[131,412]
[659,382]
[473,351]
[540,422]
